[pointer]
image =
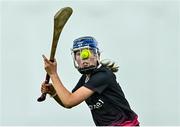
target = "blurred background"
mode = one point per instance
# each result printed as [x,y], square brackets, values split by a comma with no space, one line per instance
[141,36]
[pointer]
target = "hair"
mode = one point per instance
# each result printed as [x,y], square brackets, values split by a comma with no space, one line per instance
[111,65]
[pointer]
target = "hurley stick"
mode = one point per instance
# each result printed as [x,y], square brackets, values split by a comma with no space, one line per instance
[60,19]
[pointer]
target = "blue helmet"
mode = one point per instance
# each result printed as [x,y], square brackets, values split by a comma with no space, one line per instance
[81,43]
[86,41]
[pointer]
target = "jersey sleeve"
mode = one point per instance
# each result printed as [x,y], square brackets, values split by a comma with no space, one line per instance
[79,84]
[98,82]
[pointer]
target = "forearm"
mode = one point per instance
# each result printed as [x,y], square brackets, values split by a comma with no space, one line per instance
[56,98]
[62,92]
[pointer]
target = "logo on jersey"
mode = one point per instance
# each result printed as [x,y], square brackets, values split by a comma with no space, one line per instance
[98,105]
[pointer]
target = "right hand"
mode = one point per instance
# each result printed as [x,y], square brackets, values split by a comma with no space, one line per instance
[50,67]
[47,88]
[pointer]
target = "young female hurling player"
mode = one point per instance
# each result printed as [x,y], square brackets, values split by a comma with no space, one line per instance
[97,86]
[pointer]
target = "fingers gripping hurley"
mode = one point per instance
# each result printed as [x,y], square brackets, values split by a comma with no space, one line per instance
[60,19]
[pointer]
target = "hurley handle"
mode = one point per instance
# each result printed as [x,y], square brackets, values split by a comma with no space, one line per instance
[43,95]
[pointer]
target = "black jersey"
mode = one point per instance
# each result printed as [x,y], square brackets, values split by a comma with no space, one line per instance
[108,104]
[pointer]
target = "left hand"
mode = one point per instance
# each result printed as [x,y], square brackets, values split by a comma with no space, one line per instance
[47,88]
[50,67]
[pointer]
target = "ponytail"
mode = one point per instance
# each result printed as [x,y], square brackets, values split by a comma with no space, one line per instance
[111,65]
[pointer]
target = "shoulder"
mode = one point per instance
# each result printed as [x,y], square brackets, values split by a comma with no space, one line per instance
[102,74]
[102,70]
[100,79]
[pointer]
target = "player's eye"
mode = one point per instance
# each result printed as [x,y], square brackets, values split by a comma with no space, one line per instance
[77,53]
[94,51]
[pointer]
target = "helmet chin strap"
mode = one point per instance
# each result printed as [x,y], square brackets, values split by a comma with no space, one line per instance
[87,70]
[90,69]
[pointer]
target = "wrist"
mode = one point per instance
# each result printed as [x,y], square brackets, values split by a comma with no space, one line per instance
[53,74]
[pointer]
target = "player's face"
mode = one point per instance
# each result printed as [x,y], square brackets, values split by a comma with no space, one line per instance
[91,60]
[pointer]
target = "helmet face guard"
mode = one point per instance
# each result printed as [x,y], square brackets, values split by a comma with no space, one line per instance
[81,44]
